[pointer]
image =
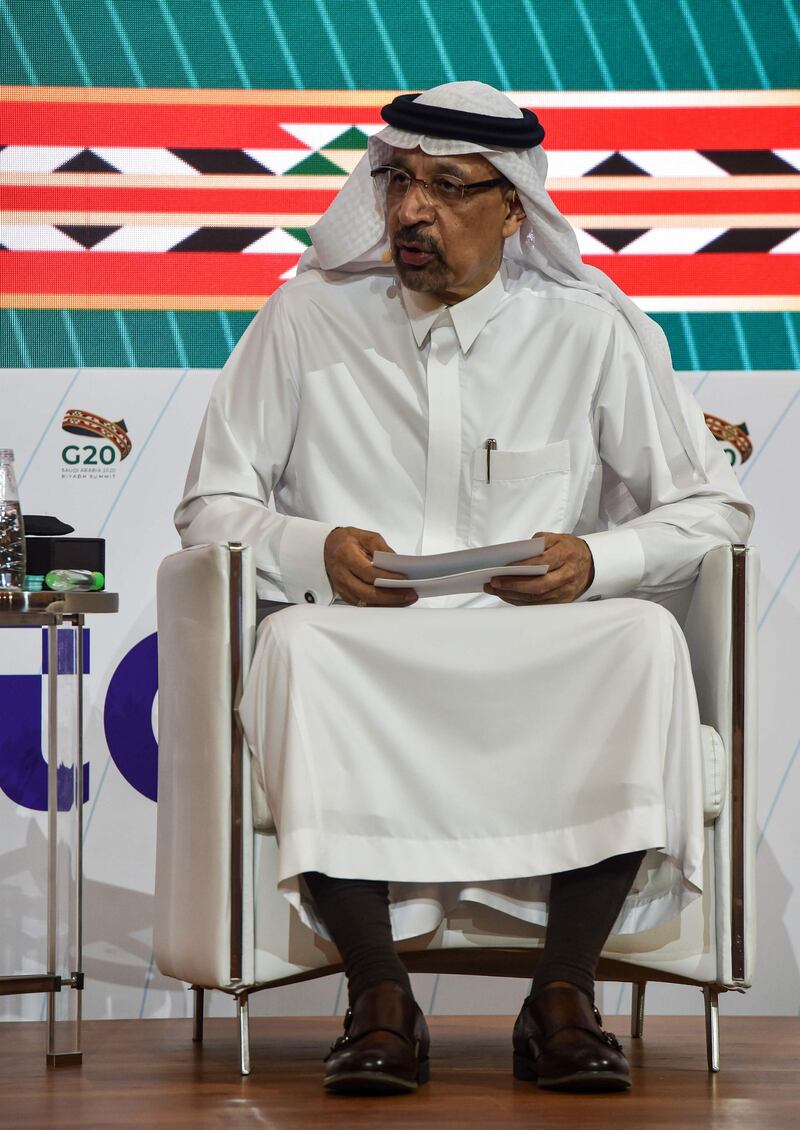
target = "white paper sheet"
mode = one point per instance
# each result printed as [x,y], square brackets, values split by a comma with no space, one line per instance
[471,581]
[460,561]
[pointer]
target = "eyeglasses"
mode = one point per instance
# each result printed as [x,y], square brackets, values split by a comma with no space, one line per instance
[442,191]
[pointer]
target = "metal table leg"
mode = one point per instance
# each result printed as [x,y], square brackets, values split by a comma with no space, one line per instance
[65,847]
[63,981]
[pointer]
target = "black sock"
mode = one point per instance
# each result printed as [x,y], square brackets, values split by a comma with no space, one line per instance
[583,907]
[356,914]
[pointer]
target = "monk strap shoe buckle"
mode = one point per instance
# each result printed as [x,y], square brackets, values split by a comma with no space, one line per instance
[343,1040]
[608,1037]
[612,1041]
[337,1045]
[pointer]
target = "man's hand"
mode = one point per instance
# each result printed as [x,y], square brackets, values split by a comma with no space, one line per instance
[348,562]
[570,574]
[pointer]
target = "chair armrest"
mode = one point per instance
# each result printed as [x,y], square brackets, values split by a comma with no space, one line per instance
[203,891]
[717,611]
[721,632]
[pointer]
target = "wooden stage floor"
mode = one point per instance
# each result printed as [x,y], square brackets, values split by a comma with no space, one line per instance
[147,1073]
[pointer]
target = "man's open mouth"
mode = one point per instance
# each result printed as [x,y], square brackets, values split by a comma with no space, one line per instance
[415,254]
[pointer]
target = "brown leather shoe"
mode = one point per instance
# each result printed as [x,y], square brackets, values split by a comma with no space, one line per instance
[559,1044]
[384,1049]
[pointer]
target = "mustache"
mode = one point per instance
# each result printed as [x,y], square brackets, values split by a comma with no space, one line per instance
[420,238]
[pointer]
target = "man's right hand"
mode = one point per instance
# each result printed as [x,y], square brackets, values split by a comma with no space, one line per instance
[348,562]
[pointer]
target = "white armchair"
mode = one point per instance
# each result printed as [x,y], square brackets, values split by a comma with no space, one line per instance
[220,922]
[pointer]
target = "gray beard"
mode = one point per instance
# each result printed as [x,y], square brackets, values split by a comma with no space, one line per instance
[432,277]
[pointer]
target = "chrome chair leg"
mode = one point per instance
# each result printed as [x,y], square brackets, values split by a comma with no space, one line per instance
[197,1014]
[637,1009]
[711,998]
[243,1007]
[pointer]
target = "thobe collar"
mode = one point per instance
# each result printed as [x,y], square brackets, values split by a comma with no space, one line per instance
[468,317]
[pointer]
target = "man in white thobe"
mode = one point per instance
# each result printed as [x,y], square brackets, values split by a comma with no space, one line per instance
[444,372]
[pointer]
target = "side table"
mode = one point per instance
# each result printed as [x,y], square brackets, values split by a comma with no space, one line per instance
[64,711]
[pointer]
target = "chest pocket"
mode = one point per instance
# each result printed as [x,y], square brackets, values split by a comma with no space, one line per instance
[528,492]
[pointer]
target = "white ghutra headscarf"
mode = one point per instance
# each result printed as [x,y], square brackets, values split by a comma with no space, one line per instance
[352,235]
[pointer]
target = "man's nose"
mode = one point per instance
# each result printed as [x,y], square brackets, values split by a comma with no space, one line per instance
[415,207]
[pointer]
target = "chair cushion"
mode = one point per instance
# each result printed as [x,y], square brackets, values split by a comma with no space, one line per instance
[714,773]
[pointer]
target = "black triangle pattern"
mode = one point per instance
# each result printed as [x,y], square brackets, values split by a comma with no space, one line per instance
[616,238]
[749,162]
[735,162]
[616,165]
[747,240]
[87,161]
[221,161]
[87,235]
[220,239]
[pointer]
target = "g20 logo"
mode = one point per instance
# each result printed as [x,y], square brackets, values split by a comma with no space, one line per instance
[90,455]
[733,438]
[111,443]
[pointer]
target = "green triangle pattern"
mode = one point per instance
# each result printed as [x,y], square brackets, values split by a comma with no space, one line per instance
[316,165]
[351,139]
[301,234]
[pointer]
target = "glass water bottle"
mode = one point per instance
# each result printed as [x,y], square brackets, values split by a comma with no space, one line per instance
[12,530]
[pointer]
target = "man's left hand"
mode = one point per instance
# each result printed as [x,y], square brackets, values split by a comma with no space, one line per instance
[570,572]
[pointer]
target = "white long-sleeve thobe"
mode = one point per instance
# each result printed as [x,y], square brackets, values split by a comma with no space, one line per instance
[465,756]
[326,401]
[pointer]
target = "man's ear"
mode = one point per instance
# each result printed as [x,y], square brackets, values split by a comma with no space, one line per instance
[515,215]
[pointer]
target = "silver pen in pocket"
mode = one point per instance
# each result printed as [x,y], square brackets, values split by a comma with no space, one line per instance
[490,445]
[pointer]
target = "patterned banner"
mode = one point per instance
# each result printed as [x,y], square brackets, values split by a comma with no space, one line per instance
[199,200]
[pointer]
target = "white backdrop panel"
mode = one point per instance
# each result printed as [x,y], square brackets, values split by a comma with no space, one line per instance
[130,503]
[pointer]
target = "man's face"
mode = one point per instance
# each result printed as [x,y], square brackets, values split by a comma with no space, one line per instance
[450,251]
